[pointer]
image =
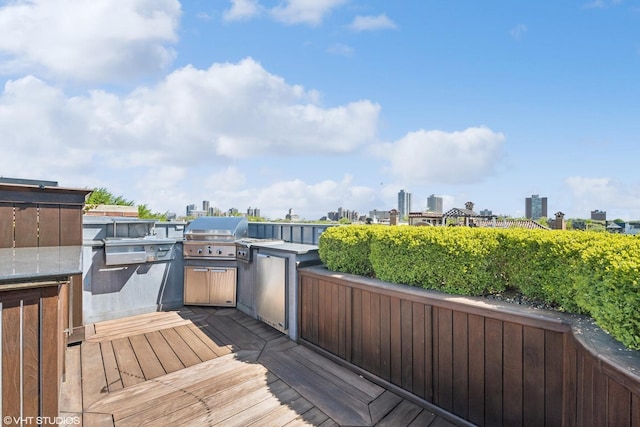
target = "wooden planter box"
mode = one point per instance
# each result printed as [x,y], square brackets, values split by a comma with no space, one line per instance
[487,362]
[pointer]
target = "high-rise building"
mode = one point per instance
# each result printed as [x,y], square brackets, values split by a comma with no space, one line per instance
[205,205]
[535,207]
[404,203]
[434,204]
[253,211]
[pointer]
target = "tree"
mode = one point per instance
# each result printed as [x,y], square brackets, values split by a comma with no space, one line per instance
[101,196]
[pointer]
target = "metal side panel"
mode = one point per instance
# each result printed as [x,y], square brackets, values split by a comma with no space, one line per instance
[271,286]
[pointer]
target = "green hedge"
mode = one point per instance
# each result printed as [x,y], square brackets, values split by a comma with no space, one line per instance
[581,272]
[347,249]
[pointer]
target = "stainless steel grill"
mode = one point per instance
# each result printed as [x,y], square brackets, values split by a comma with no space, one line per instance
[214,238]
[211,268]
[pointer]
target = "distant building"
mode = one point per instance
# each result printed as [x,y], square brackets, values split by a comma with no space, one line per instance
[535,207]
[599,215]
[190,209]
[343,213]
[379,216]
[434,204]
[404,203]
[253,211]
[632,227]
[426,218]
[291,216]
[467,217]
[205,205]
[486,212]
[558,223]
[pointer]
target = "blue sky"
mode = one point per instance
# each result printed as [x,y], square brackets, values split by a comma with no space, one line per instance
[319,104]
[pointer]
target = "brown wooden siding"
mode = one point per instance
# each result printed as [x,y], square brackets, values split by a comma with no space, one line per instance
[490,367]
[26,225]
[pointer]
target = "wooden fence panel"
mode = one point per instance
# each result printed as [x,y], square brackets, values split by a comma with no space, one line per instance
[490,367]
[396,342]
[70,233]
[11,363]
[476,369]
[533,376]
[406,348]
[553,376]
[445,359]
[493,372]
[365,322]
[6,225]
[513,370]
[460,364]
[342,321]
[385,337]
[26,226]
[49,225]
[418,336]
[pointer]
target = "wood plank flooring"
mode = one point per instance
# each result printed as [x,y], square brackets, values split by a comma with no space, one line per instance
[207,367]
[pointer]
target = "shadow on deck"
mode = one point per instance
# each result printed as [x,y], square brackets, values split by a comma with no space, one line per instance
[206,366]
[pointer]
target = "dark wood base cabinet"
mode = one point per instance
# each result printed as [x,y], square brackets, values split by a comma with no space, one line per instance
[33,344]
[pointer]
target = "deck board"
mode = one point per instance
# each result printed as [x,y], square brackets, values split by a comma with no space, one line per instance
[167,357]
[207,366]
[195,343]
[94,382]
[219,350]
[186,355]
[128,365]
[149,362]
[114,380]
[71,394]
[326,396]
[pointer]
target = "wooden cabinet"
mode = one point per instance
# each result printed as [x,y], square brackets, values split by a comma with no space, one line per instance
[210,286]
[32,342]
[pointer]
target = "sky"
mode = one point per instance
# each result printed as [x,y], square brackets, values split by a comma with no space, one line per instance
[312,105]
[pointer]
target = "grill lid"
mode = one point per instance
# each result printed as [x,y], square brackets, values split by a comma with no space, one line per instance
[218,229]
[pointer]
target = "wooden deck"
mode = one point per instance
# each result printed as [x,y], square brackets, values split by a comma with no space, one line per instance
[206,367]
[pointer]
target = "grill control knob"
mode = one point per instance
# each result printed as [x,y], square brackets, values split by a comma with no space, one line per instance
[199,251]
[219,251]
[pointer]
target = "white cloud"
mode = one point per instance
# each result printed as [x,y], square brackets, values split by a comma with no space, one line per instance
[230,110]
[372,23]
[441,157]
[276,199]
[309,12]
[620,200]
[518,31]
[98,40]
[242,10]
[195,120]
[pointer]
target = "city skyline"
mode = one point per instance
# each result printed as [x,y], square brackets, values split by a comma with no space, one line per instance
[538,206]
[317,104]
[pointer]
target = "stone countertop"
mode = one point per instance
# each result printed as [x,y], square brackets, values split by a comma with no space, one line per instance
[20,264]
[295,248]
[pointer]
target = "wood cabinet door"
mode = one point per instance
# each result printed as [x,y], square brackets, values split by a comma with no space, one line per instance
[222,286]
[196,286]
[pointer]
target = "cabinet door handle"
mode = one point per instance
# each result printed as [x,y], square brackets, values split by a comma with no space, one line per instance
[200,269]
[219,270]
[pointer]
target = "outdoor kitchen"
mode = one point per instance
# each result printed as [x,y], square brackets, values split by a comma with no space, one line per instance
[133,266]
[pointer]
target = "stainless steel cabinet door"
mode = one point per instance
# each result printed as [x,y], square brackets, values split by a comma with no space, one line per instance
[271,281]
